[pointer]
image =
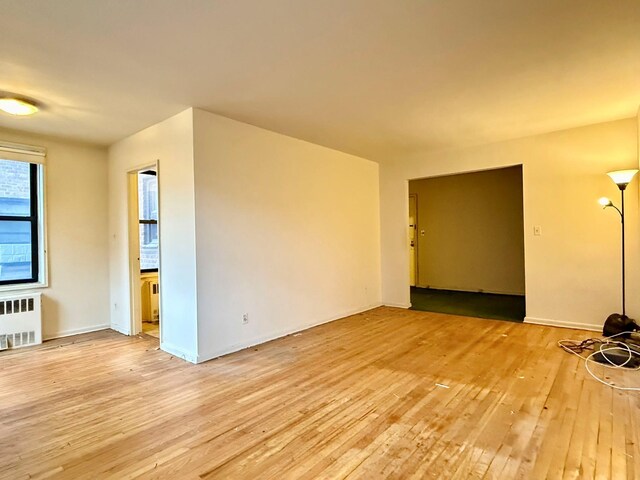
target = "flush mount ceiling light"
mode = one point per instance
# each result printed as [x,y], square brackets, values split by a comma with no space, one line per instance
[17,106]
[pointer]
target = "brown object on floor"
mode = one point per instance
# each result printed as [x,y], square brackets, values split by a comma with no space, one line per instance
[364,397]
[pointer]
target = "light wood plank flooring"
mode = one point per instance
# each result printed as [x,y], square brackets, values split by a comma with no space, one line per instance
[151,328]
[384,394]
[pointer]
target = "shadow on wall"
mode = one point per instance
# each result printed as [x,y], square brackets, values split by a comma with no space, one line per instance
[50,317]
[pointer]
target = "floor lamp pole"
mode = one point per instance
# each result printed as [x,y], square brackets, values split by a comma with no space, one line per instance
[624,311]
[617,324]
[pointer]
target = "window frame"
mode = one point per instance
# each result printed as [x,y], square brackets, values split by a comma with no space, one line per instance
[147,222]
[34,218]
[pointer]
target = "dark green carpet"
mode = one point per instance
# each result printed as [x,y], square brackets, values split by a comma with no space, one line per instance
[470,304]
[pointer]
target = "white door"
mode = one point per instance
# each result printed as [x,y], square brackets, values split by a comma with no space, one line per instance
[412,237]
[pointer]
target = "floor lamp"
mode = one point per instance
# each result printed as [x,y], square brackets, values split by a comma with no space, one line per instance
[621,178]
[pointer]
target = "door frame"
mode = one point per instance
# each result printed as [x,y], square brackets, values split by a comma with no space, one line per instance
[475,170]
[415,228]
[133,224]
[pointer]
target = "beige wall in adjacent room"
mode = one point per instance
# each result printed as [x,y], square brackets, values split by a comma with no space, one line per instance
[572,270]
[473,231]
[77,298]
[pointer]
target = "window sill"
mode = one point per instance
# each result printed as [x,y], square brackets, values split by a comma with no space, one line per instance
[22,286]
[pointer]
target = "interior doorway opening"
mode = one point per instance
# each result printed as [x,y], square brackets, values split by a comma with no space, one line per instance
[466,244]
[144,252]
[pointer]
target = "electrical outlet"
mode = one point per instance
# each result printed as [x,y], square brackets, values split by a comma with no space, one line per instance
[537,230]
[245,318]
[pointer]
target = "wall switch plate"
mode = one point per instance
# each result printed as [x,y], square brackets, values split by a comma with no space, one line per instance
[245,318]
[537,230]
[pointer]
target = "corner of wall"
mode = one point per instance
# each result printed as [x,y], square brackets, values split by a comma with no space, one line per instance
[177,352]
[170,143]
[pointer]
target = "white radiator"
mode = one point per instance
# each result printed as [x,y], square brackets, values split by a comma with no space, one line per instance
[154,290]
[20,320]
[150,294]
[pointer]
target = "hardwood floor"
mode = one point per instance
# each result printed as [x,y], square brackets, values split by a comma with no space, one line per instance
[384,394]
[152,329]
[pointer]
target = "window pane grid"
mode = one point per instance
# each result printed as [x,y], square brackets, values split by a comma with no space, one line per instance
[18,222]
[148,218]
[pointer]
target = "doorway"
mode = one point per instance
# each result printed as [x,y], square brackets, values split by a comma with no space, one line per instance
[467,256]
[144,245]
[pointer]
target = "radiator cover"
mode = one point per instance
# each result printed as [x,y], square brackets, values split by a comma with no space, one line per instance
[20,320]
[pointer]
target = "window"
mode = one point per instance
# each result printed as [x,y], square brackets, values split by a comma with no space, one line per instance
[148,216]
[19,224]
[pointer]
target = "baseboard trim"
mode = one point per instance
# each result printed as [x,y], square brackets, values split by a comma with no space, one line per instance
[563,324]
[397,305]
[178,352]
[76,331]
[279,334]
[119,329]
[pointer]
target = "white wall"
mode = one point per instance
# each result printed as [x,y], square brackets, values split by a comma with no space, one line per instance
[76,299]
[572,270]
[171,144]
[473,231]
[287,231]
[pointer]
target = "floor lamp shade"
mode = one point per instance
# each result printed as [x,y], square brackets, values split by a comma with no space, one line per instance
[622,177]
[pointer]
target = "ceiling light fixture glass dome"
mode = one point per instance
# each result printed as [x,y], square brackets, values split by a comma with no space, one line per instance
[17,106]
